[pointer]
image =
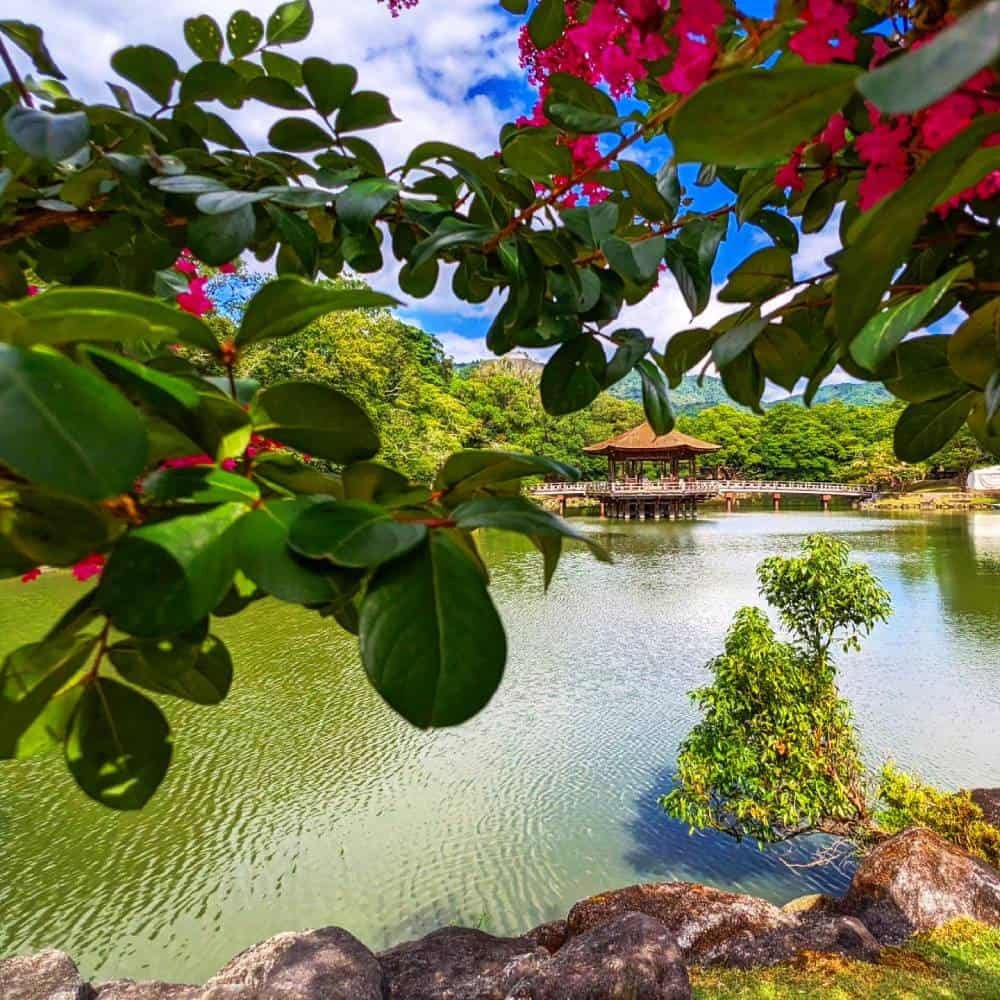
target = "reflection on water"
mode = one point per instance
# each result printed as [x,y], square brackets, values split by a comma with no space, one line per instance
[303,801]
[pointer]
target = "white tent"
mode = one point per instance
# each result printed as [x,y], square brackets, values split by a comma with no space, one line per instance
[984,480]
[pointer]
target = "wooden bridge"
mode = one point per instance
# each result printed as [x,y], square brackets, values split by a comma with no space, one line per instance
[679,498]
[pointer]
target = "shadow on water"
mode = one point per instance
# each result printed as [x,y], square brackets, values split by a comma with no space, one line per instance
[663,850]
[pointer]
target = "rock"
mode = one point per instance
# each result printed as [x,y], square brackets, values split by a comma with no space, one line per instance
[459,963]
[128,989]
[814,932]
[551,936]
[49,975]
[988,799]
[916,881]
[701,919]
[631,957]
[815,902]
[327,964]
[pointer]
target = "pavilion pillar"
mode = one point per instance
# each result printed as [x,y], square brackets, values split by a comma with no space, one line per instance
[776,501]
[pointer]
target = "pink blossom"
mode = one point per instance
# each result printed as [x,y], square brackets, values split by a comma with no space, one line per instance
[194,300]
[33,290]
[941,122]
[692,67]
[227,269]
[187,461]
[879,183]
[229,464]
[788,176]
[826,36]
[90,567]
[185,266]
[834,133]
[32,575]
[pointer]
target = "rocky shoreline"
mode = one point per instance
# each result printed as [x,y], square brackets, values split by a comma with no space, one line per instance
[635,943]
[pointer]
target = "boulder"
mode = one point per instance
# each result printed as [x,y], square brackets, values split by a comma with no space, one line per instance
[128,989]
[459,963]
[813,932]
[916,881]
[630,957]
[551,936]
[701,920]
[327,964]
[988,799]
[815,902]
[49,975]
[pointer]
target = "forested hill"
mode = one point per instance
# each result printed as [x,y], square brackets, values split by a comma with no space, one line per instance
[691,396]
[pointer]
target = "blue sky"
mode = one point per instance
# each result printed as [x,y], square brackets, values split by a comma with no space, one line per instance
[451,69]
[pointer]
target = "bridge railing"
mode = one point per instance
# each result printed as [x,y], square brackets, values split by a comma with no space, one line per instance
[701,487]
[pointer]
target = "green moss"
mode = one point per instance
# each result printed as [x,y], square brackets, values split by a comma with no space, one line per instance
[958,962]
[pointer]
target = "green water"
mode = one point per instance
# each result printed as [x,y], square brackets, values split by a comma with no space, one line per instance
[302,801]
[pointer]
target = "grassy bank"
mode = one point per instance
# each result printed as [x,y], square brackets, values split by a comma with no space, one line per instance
[957,962]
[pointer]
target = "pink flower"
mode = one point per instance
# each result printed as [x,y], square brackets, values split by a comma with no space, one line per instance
[692,67]
[788,176]
[826,36]
[187,461]
[879,183]
[833,135]
[90,567]
[941,122]
[33,290]
[194,300]
[229,464]
[227,269]
[185,266]
[32,575]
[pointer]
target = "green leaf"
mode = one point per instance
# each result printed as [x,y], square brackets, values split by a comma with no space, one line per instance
[203,36]
[779,227]
[883,332]
[465,472]
[536,153]
[353,534]
[668,185]
[918,370]
[46,136]
[51,529]
[976,167]
[315,419]
[736,340]
[358,206]
[118,748]
[218,239]
[296,233]
[226,202]
[523,517]
[591,223]
[65,315]
[922,76]
[925,428]
[757,116]
[644,193]
[187,184]
[65,428]
[329,84]
[283,67]
[364,109]
[243,33]
[374,482]
[743,381]
[152,70]
[164,578]
[656,398]
[199,484]
[35,704]
[263,554]
[974,350]
[276,92]
[431,639]
[632,346]
[547,23]
[200,671]
[786,354]
[298,135]
[684,350]
[451,232]
[761,276]
[291,22]
[638,262]
[289,304]
[283,472]
[28,38]
[881,239]
[211,81]
[574,376]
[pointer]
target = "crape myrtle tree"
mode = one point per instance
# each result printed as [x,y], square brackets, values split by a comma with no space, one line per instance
[196,494]
[776,755]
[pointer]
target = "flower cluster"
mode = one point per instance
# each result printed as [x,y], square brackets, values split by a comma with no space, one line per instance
[195,300]
[84,570]
[826,36]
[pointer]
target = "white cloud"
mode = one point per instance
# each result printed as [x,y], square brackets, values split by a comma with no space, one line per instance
[462,349]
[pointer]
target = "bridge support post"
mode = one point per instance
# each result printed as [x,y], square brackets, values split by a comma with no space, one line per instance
[604,510]
[730,501]
[825,501]
[776,501]
[562,505]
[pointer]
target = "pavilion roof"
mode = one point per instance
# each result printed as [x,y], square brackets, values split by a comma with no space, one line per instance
[644,439]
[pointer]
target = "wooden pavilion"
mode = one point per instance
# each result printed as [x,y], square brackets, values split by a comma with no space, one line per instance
[629,453]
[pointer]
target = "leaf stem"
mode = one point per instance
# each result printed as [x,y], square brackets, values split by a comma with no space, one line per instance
[15,77]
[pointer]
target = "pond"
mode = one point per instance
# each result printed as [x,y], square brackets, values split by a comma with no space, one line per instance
[303,801]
